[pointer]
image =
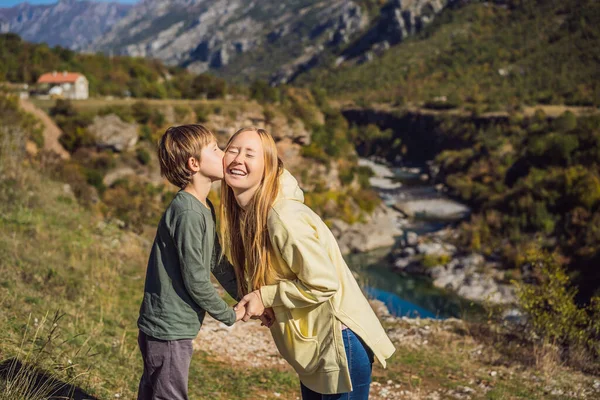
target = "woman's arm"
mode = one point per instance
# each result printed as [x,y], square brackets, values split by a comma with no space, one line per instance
[298,243]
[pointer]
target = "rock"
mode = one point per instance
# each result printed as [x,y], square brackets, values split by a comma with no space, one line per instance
[379,231]
[412,238]
[111,132]
[117,174]
[68,190]
[397,20]
[437,271]
[433,248]
[408,252]
[437,209]
[402,263]
[472,261]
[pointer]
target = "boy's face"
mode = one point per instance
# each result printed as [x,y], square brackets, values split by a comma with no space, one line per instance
[211,161]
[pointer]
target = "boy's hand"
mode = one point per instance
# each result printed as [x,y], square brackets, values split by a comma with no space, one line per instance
[239,312]
[253,305]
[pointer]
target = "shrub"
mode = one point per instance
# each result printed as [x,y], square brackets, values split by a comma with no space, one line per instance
[202,113]
[550,306]
[63,107]
[94,178]
[208,86]
[565,122]
[433,260]
[123,112]
[143,156]
[141,112]
[262,92]
[181,112]
[75,138]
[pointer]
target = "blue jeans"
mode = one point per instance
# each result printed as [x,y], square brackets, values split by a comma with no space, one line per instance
[360,364]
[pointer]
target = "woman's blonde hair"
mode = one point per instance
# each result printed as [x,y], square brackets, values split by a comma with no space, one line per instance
[248,248]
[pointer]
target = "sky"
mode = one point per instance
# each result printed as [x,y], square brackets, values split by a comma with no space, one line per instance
[10,3]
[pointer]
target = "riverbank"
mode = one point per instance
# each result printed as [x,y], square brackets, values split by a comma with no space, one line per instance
[426,247]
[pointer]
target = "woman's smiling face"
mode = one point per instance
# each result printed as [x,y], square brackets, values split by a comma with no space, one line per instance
[244,162]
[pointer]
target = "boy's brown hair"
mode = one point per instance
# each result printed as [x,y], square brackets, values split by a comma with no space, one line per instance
[176,146]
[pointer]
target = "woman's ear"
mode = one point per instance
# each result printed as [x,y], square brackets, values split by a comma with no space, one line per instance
[193,164]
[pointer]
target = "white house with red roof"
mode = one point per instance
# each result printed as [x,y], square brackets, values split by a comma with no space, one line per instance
[68,85]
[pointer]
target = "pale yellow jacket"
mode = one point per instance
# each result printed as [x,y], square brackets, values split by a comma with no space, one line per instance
[316,294]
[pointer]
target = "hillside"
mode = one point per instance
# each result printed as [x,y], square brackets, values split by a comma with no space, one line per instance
[72,24]
[483,56]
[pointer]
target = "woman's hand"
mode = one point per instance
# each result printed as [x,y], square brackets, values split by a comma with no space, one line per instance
[268,318]
[253,304]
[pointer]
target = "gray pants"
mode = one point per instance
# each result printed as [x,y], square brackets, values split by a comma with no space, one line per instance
[166,368]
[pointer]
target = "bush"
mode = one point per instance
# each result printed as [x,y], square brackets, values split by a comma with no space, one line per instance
[141,112]
[202,113]
[95,178]
[434,260]
[123,112]
[565,122]
[550,307]
[75,138]
[262,92]
[208,86]
[181,112]
[143,156]
[63,107]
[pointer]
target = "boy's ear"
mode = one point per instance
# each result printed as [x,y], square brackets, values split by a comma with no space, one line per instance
[193,164]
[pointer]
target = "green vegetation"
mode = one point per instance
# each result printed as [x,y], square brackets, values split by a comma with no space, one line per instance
[553,315]
[529,179]
[483,56]
[24,62]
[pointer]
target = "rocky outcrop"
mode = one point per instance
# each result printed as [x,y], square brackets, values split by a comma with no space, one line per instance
[397,20]
[379,231]
[469,275]
[68,23]
[338,26]
[110,132]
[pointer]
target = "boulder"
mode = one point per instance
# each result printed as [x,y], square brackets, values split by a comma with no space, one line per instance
[379,231]
[110,132]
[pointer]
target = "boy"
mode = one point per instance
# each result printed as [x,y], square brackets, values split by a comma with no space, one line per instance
[178,291]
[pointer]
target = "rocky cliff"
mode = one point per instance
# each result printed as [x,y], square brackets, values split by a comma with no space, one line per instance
[271,40]
[68,23]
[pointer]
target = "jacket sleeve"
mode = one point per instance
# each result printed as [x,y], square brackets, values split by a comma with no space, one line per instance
[299,245]
[190,239]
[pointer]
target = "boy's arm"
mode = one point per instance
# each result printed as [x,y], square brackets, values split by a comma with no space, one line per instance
[189,236]
[225,274]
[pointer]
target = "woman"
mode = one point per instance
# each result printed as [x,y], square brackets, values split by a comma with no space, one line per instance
[287,259]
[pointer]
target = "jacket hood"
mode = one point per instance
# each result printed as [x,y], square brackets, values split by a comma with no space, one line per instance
[289,188]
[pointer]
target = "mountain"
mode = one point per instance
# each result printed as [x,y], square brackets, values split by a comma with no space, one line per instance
[272,39]
[484,56]
[68,23]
